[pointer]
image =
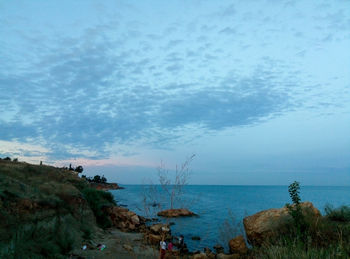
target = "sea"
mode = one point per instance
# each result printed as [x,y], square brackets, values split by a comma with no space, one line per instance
[220,208]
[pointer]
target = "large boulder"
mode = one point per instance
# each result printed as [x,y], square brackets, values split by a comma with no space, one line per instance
[159,228]
[264,225]
[152,238]
[237,245]
[171,213]
[124,219]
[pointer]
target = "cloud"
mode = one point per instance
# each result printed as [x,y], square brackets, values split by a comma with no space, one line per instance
[228,30]
[100,87]
[83,101]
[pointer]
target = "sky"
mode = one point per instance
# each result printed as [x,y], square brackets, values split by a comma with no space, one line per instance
[258,90]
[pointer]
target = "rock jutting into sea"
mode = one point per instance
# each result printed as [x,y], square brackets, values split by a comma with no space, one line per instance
[105,186]
[172,213]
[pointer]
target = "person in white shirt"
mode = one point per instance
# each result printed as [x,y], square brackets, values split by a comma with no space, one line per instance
[162,249]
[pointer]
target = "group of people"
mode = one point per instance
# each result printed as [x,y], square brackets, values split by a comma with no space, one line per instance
[163,246]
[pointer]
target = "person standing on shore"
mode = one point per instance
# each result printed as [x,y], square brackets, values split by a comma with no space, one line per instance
[181,243]
[162,248]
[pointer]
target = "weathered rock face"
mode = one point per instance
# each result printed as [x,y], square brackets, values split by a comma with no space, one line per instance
[238,245]
[105,186]
[159,228]
[124,219]
[264,225]
[152,238]
[156,232]
[171,213]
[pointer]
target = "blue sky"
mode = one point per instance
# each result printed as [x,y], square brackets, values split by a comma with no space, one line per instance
[258,90]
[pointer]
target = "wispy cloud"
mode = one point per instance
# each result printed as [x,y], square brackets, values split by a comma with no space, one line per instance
[124,80]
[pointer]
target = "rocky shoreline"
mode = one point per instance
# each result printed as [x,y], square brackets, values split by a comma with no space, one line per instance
[60,214]
[105,186]
[259,229]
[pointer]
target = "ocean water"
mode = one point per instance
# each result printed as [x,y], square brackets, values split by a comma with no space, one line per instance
[217,204]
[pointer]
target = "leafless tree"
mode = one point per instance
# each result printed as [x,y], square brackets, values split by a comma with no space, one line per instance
[173,184]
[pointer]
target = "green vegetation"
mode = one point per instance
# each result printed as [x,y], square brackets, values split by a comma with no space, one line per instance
[46,211]
[321,237]
[97,201]
[95,179]
[341,214]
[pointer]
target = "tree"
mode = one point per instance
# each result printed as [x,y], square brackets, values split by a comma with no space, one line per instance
[103,179]
[174,187]
[97,179]
[79,169]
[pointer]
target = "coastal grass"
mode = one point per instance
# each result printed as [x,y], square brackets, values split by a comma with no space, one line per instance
[309,236]
[46,211]
[324,238]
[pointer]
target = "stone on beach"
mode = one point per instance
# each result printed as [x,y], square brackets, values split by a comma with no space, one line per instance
[238,245]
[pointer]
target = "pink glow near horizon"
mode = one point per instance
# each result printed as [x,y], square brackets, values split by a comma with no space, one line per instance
[105,162]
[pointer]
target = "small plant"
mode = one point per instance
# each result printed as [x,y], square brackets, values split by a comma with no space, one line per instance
[294,190]
[295,210]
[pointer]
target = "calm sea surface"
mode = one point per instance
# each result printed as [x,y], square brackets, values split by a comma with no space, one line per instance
[215,204]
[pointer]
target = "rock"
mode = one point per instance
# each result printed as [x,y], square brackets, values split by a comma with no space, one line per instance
[196,238]
[200,256]
[225,256]
[171,213]
[209,253]
[238,245]
[207,250]
[105,186]
[219,248]
[153,239]
[128,248]
[160,228]
[124,219]
[264,225]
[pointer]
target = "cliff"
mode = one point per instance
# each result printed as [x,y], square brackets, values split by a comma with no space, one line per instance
[47,211]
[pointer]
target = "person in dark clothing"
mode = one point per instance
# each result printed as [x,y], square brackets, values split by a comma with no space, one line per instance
[181,243]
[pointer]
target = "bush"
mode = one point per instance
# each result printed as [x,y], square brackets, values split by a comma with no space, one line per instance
[97,201]
[341,214]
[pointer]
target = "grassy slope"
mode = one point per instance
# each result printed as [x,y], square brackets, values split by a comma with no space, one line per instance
[46,211]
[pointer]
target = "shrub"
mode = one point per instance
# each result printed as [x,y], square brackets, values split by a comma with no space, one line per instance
[295,210]
[341,214]
[97,201]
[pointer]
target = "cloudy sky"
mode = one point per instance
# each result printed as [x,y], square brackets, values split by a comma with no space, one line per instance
[258,90]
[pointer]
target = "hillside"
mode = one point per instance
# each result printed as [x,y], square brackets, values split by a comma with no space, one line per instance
[45,211]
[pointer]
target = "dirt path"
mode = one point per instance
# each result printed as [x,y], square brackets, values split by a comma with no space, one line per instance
[119,245]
